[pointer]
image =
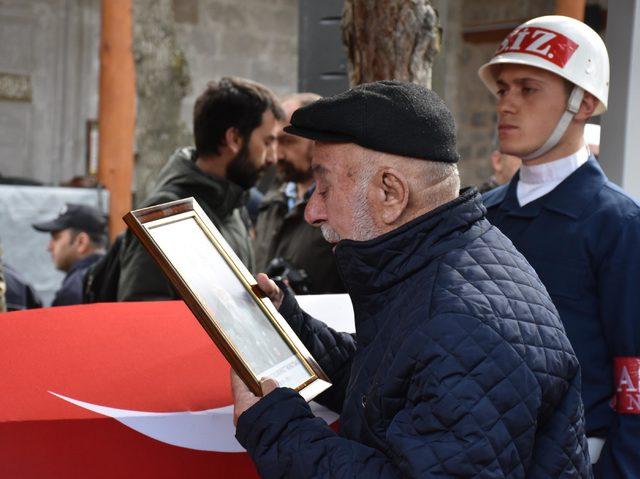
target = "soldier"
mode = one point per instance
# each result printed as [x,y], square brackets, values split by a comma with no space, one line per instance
[459,366]
[579,231]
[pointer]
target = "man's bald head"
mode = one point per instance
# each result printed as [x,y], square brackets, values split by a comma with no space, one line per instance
[293,101]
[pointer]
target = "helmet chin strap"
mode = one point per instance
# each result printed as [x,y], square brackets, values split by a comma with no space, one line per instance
[573,105]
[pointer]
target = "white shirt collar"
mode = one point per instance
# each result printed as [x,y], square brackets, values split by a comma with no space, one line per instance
[554,171]
[539,180]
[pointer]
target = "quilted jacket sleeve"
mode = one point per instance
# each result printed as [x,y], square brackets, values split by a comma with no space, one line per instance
[470,411]
[618,279]
[332,350]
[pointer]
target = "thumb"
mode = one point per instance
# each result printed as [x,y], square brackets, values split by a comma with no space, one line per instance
[268,385]
[267,285]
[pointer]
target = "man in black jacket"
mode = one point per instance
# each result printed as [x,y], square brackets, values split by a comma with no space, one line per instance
[234,127]
[459,366]
[78,240]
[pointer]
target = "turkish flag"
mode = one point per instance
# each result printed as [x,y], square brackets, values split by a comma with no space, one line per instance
[115,390]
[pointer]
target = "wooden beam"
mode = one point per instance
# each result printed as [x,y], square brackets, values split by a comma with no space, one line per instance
[116,121]
[571,8]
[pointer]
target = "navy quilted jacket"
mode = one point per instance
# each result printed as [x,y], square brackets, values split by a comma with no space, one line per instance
[459,367]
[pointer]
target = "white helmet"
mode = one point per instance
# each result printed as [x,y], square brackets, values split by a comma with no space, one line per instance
[564,46]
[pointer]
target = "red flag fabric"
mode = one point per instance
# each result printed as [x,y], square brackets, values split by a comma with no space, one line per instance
[114,390]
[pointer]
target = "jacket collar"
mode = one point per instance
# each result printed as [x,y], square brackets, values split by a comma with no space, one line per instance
[279,199]
[220,195]
[569,198]
[84,262]
[369,267]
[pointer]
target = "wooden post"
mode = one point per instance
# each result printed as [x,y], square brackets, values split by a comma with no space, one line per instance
[116,121]
[571,8]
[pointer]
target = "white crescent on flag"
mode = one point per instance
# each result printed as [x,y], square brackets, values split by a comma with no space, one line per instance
[150,366]
[207,430]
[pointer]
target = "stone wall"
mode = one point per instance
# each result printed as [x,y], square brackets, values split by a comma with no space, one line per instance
[48,86]
[180,45]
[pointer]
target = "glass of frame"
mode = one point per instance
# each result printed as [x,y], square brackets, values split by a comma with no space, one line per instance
[224,297]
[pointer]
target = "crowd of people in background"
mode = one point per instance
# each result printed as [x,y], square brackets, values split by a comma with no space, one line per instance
[547,194]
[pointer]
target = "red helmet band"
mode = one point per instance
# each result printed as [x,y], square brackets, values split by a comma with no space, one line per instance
[541,42]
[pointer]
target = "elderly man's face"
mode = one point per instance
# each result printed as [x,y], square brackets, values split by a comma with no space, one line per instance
[340,205]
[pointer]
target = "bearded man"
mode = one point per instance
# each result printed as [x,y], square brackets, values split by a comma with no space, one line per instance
[283,238]
[234,126]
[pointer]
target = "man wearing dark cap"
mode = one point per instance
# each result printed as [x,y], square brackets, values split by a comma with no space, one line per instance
[459,366]
[78,239]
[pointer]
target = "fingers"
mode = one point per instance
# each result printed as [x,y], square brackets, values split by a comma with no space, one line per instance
[270,289]
[267,285]
[236,382]
[243,398]
[268,385]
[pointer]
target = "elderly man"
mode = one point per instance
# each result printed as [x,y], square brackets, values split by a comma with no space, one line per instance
[459,366]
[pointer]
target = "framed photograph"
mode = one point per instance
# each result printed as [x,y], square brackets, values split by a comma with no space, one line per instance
[224,297]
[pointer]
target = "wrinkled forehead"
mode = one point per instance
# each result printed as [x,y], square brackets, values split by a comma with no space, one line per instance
[335,158]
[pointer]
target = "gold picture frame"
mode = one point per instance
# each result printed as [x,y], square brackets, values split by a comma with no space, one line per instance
[224,297]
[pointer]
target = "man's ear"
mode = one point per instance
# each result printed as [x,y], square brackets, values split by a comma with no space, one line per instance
[233,139]
[82,242]
[393,195]
[587,107]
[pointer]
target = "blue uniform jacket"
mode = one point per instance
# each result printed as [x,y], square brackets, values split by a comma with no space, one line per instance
[459,367]
[583,240]
[71,290]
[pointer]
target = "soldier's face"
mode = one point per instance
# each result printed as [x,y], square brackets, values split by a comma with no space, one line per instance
[530,103]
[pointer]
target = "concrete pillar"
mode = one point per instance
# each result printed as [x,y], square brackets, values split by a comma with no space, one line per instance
[571,8]
[116,116]
[620,142]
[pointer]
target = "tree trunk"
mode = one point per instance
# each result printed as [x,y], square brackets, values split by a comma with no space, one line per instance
[162,81]
[390,40]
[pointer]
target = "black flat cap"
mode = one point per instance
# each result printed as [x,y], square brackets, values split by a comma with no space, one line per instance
[80,217]
[395,117]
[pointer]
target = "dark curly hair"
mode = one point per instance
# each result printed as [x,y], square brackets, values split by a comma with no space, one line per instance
[230,102]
